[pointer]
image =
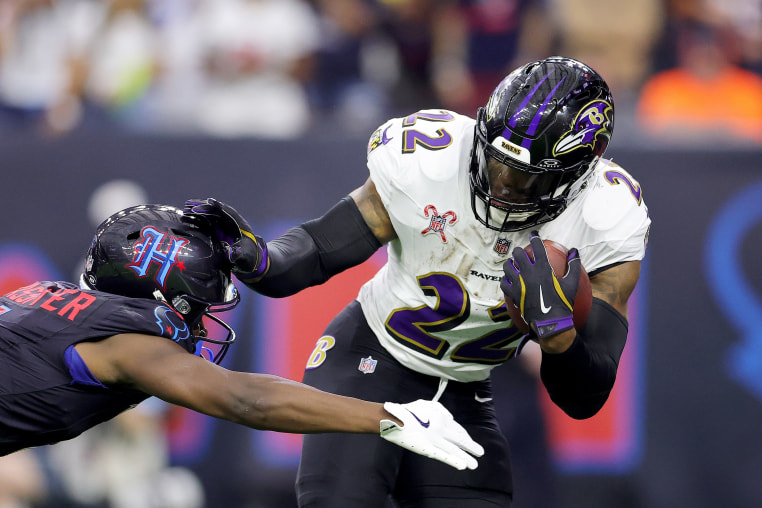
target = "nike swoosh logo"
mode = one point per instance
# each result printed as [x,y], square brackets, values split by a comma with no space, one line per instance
[384,139]
[423,424]
[543,308]
[481,399]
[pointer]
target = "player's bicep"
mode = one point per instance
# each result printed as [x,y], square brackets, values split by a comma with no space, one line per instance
[373,211]
[158,367]
[615,285]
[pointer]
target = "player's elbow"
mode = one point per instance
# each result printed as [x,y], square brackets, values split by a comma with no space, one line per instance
[270,290]
[266,402]
[242,401]
[582,408]
[248,411]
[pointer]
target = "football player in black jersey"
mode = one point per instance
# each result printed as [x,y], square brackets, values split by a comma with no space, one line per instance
[73,356]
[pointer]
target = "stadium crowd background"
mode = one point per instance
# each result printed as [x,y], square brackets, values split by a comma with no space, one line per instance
[684,73]
[280,69]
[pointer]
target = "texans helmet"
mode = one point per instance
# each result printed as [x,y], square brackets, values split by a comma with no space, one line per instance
[159,253]
[537,141]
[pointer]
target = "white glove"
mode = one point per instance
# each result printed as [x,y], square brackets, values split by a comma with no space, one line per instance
[430,430]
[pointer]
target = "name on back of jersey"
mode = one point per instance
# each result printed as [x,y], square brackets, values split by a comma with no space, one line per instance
[66,303]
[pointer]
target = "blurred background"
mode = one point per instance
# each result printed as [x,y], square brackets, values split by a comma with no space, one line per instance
[269,104]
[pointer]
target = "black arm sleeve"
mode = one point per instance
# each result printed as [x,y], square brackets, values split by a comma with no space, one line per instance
[580,379]
[312,253]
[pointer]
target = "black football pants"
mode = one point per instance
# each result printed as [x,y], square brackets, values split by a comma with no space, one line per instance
[362,470]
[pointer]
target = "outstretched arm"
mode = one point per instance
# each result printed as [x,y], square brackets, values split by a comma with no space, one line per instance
[306,255]
[260,401]
[161,368]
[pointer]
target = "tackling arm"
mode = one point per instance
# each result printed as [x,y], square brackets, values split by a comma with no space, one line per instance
[161,368]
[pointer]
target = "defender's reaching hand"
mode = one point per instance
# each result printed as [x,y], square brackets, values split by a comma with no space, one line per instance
[430,430]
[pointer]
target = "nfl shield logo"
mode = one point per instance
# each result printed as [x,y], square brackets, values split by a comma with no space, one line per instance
[502,245]
[438,223]
[367,365]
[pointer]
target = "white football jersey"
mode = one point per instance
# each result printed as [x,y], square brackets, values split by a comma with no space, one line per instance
[436,305]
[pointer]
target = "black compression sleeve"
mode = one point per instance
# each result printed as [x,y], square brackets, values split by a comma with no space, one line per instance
[580,379]
[312,253]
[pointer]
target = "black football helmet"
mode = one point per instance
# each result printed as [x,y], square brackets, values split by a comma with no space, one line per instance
[159,253]
[537,141]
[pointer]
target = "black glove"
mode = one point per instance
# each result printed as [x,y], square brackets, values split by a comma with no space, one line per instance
[246,251]
[546,302]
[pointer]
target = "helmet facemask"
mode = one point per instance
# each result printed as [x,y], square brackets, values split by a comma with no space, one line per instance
[200,314]
[541,194]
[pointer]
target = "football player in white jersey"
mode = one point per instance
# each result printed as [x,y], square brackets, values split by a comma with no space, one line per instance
[455,200]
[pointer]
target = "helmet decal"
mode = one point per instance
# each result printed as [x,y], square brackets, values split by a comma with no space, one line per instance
[536,120]
[147,251]
[535,123]
[594,119]
[514,119]
[171,325]
[512,150]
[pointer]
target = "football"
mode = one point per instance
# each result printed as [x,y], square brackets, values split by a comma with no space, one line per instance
[582,301]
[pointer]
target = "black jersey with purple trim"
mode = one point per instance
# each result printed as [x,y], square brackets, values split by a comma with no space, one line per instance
[45,396]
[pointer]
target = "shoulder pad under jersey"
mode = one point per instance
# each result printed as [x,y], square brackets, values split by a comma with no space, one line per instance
[613,195]
[404,147]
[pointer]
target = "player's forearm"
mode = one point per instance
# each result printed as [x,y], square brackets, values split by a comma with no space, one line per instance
[273,403]
[579,380]
[293,265]
[312,253]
